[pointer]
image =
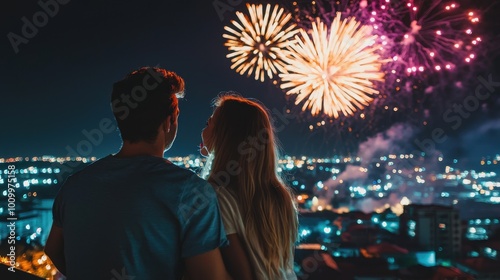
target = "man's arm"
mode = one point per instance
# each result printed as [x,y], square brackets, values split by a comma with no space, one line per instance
[236,259]
[54,248]
[206,266]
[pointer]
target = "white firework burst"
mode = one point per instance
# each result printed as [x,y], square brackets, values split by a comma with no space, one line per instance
[333,71]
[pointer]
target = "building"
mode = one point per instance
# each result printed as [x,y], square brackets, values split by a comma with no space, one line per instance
[433,227]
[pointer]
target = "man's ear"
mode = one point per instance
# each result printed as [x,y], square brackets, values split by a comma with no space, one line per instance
[176,116]
[174,119]
[167,124]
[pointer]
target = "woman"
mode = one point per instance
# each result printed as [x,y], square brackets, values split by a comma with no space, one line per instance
[257,208]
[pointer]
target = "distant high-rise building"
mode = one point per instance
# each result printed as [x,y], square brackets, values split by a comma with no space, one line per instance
[433,227]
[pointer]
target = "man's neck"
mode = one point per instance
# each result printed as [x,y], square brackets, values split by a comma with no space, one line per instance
[140,149]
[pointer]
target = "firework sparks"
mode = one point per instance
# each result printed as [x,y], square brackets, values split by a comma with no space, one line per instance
[437,37]
[257,40]
[333,72]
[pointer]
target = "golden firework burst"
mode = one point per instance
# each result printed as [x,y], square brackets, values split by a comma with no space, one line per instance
[256,42]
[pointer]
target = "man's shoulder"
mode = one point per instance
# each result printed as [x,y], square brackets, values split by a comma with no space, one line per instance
[167,170]
[84,170]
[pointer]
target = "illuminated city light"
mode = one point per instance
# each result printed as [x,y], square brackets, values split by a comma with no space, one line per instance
[405,201]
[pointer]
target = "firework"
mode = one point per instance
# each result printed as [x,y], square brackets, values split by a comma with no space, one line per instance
[332,72]
[424,74]
[256,42]
[433,36]
[418,37]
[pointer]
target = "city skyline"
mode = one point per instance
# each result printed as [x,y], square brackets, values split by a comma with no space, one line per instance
[364,184]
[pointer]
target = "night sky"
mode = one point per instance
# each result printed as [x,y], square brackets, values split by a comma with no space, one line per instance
[59,82]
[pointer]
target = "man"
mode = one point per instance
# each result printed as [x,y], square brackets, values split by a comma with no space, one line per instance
[135,215]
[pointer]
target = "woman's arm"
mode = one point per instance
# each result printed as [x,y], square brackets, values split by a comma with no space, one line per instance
[236,259]
[206,266]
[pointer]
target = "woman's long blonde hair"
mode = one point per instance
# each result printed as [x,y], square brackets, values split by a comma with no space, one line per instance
[244,159]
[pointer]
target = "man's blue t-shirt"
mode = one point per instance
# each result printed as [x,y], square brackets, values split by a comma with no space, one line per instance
[135,218]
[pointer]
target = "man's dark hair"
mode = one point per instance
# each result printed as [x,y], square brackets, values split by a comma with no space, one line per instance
[143,100]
